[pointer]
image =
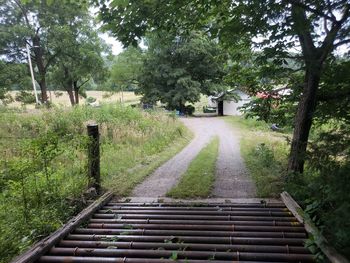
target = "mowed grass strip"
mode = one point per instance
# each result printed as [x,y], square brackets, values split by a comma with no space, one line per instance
[198,180]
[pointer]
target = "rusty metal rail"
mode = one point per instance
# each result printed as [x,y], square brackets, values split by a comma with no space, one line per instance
[180,232]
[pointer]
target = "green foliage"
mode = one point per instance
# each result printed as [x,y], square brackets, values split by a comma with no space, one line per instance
[25,97]
[90,100]
[198,180]
[266,163]
[125,70]
[271,110]
[334,93]
[43,164]
[178,70]
[64,46]
[13,76]
[323,189]
[291,36]
[80,61]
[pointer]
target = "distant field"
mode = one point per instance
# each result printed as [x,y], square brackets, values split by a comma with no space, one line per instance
[101,96]
[128,97]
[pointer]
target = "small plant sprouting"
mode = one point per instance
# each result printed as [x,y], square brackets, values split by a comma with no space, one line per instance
[173,255]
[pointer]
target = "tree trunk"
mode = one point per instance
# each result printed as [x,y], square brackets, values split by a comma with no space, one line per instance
[43,88]
[71,96]
[303,121]
[68,86]
[39,61]
[76,92]
[220,107]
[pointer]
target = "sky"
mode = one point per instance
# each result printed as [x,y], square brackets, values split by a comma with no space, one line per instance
[117,47]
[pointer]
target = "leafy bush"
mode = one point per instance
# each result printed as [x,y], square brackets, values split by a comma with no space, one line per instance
[25,97]
[90,100]
[324,188]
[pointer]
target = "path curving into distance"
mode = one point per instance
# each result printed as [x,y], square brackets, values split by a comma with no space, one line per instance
[232,178]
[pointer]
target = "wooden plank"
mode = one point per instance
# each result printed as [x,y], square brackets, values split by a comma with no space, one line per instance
[43,246]
[320,240]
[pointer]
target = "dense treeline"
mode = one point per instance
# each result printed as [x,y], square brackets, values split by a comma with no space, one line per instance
[63,42]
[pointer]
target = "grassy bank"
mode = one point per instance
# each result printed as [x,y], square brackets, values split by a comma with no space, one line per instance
[264,153]
[43,163]
[198,180]
[322,190]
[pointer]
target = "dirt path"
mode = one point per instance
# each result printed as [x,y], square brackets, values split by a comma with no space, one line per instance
[232,179]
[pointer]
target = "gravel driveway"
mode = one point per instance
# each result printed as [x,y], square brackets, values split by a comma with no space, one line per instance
[232,178]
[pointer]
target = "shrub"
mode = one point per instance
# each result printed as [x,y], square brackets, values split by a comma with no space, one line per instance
[25,97]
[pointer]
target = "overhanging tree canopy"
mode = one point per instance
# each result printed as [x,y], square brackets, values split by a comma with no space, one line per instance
[315,28]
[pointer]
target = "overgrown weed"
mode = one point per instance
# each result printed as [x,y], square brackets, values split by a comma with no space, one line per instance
[43,163]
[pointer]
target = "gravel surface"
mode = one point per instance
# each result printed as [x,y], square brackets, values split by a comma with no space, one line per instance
[232,178]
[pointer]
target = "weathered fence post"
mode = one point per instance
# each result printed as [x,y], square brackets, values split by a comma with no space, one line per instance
[94,157]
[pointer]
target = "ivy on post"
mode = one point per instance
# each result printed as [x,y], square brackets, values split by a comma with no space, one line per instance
[94,157]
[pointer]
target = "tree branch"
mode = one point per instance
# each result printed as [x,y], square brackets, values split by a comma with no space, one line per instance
[325,26]
[329,7]
[24,13]
[345,41]
[345,13]
[303,29]
[312,10]
[83,83]
[51,59]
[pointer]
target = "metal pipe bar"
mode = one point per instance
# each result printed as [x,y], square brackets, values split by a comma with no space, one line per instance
[212,208]
[198,222]
[145,232]
[195,217]
[232,227]
[191,239]
[187,246]
[180,254]
[280,205]
[64,259]
[190,212]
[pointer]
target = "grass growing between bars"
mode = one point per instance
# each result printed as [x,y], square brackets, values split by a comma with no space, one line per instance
[199,178]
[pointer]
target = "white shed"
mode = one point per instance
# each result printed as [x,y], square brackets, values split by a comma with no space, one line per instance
[227,106]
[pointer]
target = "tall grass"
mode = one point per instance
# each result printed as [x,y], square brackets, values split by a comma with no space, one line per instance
[43,164]
[264,153]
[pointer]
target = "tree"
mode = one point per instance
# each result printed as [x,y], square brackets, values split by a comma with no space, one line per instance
[125,69]
[178,69]
[36,23]
[12,76]
[81,58]
[316,28]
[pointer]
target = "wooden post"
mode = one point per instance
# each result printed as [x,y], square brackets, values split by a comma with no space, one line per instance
[94,157]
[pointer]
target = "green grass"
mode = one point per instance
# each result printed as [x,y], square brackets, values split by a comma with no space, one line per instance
[43,163]
[199,178]
[265,154]
[121,182]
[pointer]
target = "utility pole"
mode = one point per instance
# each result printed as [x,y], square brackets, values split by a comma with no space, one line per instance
[32,74]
